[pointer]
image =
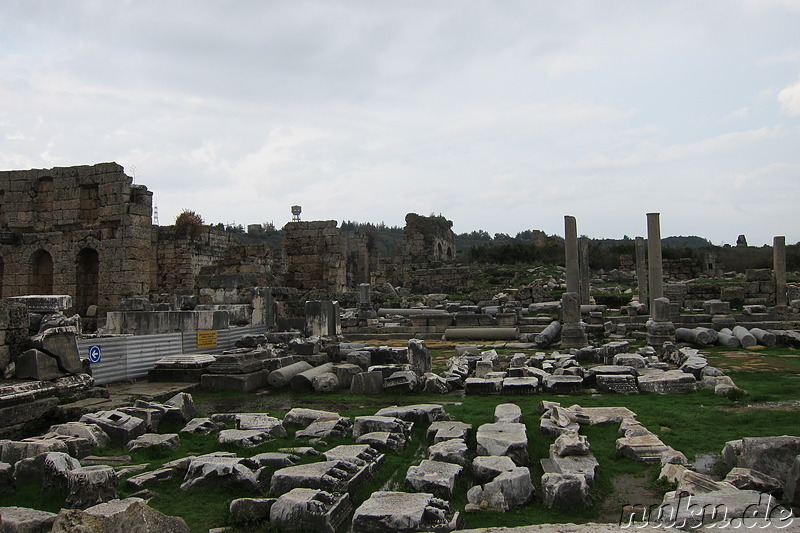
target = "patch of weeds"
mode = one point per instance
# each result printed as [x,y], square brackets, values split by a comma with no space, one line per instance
[30,494]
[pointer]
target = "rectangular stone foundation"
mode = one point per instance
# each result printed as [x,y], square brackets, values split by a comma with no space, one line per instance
[235,382]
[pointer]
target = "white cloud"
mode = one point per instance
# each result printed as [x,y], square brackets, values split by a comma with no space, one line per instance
[789,97]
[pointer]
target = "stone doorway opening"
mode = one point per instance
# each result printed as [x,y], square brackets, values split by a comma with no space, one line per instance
[41,277]
[87,280]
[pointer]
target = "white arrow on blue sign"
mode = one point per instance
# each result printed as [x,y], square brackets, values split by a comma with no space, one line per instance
[94,353]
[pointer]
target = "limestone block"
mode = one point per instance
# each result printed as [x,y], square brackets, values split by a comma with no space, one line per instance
[24,520]
[404,511]
[129,514]
[565,491]
[504,439]
[168,441]
[91,485]
[436,477]
[450,451]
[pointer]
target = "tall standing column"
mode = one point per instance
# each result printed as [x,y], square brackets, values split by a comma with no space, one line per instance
[655,268]
[641,269]
[571,254]
[779,268]
[583,263]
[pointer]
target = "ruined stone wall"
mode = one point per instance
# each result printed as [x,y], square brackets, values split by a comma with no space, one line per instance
[179,259]
[758,287]
[316,256]
[681,269]
[83,231]
[427,240]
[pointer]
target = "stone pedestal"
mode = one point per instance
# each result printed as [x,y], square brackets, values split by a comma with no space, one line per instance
[660,328]
[91,485]
[573,333]
[365,310]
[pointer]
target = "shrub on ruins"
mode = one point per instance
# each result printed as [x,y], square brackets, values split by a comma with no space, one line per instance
[189,224]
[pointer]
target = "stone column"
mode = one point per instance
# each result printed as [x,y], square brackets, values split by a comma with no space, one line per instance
[583,262]
[571,254]
[655,278]
[641,270]
[573,334]
[779,268]
[365,310]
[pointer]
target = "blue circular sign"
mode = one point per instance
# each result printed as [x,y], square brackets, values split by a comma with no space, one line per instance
[94,354]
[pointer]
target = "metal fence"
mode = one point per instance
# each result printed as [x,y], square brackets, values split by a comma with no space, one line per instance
[130,357]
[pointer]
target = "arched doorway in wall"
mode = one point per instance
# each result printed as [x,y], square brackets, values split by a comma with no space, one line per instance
[41,277]
[87,280]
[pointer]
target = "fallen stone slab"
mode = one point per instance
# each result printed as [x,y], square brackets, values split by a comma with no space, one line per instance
[325,429]
[62,344]
[671,381]
[704,510]
[130,515]
[13,451]
[219,470]
[600,415]
[647,448]
[24,520]
[509,489]
[303,509]
[571,443]
[260,422]
[370,424]
[330,476]
[362,455]
[436,477]
[562,384]
[244,438]
[203,426]
[422,414]
[520,386]
[152,477]
[91,432]
[49,470]
[450,451]
[619,384]
[301,417]
[483,386]
[240,382]
[245,511]
[447,429]
[367,383]
[168,441]
[404,512]
[504,439]
[91,485]
[384,440]
[632,360]
[565,491]
[487,467]
[120,427]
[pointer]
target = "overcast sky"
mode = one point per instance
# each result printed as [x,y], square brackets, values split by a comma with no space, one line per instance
[499,115]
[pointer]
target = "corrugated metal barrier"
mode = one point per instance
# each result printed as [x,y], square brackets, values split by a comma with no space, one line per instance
[131,357]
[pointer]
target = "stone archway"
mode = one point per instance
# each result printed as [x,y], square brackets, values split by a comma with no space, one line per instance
[87,280]
[41,276]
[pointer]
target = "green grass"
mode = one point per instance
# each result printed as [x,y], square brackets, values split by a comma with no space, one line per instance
[695,424]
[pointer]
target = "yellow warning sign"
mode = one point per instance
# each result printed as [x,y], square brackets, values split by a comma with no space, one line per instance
[207,339]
